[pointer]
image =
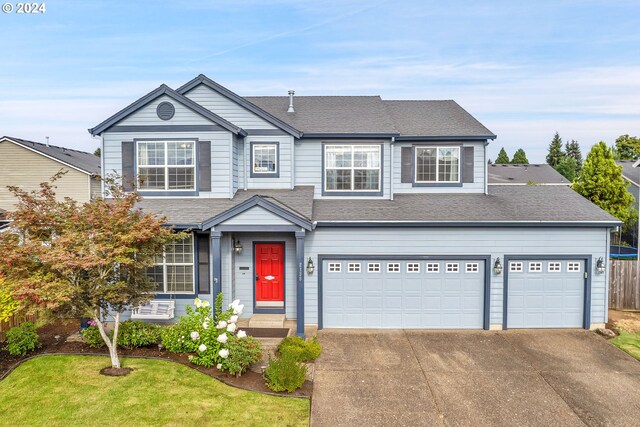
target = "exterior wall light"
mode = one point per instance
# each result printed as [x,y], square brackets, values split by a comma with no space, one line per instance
[600,266]
[310,267]
[237,247]
[497,267]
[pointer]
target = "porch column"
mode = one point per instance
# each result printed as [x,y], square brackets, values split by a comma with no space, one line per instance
[216,264]
[300,283]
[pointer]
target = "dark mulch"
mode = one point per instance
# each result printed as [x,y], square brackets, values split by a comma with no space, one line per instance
[116,372]
[50,345]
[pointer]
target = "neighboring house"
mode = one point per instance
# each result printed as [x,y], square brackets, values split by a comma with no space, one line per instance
[354,211]
[3,219]
[509,174]
[631,173]
[26,164]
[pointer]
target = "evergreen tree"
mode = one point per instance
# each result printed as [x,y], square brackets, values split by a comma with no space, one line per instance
[568,167]
[601,182]
[503,157]
[628,147]
[97,152]
[555,151]
[520,158]
[572,149]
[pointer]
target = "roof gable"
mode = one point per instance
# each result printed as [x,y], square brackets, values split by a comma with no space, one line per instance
[164,90]
[630,171]
[79,160]
[242,102]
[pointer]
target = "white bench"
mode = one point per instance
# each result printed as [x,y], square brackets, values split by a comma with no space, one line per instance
[155,310]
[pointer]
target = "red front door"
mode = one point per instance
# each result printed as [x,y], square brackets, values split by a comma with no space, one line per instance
[270,272]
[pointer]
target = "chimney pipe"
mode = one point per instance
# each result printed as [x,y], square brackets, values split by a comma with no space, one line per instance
[291,93]
[47,138]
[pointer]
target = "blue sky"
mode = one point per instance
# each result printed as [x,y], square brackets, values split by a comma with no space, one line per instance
[525,69]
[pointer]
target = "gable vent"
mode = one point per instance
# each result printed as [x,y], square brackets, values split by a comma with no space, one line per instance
[165,110]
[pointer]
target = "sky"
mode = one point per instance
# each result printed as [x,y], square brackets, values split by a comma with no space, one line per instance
[525,69]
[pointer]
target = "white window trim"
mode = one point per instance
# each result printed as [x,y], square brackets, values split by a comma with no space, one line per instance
[516,266]
[166,166]
[335,267]
[253,158]
[415,164]
[535,267]
[430,267]
[472,267]
[555,263]
[357,267]
[576,265]
[374,267]
[393,267]
[352,168]
[412,265]
[452,267]
[165,276]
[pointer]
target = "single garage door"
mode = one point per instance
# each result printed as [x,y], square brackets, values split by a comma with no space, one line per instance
[413,294]
[545,293]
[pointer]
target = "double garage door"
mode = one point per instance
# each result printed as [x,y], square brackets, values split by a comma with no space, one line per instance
[449,293]
[414,294]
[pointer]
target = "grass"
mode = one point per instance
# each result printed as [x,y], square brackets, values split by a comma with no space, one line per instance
[628,342]
[69,390]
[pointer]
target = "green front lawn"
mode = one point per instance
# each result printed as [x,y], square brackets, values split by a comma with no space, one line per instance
[628,342]
[69,390]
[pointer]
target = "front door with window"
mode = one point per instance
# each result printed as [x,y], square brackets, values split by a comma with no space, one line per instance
[269,267]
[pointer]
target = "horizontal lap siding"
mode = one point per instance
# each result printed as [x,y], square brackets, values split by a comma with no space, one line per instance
[308,164]
[461,241]
[148,115]
[477,186]
[227,109]
[256,216]
[221,157]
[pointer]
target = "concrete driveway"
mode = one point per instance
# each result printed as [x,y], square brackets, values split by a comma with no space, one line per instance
[510,378]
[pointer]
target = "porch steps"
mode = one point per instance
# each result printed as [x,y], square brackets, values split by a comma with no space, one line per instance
[266,321]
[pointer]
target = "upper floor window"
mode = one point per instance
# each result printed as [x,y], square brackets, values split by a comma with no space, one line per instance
[264,160]
[352,168]
[166,165]
[437,164]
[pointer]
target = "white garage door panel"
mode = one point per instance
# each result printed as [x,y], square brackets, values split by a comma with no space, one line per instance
[403,299]
[546,299]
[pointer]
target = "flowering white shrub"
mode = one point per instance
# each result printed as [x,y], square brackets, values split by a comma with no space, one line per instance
[231,327]
[202,347]
[222,338]
[224,353]
[241,334]
[195,335]
[221,325]
[233,319]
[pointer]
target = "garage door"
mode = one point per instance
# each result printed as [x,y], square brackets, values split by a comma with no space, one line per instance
[545,294]
[417,294]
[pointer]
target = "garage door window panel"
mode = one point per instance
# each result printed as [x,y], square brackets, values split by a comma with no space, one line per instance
[515,267]
[413,267]
[535,267]
[393,267]
[433,267]
[373,267]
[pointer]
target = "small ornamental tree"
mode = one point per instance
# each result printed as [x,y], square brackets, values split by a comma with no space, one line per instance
[520,157]
[555,151]
[85,260]
[8,305]
[601,182]
[503,157]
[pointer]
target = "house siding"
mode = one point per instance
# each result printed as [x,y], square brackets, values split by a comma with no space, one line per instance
[95,186]
[256,216]
[495,242]
[308,165]
[227,109]
[221,155]
[148,115]
[26,169]
[479,167]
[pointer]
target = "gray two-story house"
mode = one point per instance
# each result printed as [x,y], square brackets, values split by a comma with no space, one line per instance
[354,212]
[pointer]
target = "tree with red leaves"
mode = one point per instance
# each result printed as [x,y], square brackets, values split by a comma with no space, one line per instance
[87,260]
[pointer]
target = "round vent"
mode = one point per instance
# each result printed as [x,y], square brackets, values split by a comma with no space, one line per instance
[165,110]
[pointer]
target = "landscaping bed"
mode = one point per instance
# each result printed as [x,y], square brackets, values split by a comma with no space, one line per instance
[626,325]
[50,345]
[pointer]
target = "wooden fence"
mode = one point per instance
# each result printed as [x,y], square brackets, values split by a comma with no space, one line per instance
[14,321]
[624,285]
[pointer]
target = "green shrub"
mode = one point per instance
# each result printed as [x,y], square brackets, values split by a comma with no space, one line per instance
[92,337]
[243,352]
[299,349]
[22,339]
[285,374]
[135,333]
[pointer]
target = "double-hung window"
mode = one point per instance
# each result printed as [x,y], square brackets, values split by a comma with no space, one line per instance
[264,160]
[437,164]
[166,165]
[174,270]
[352,168]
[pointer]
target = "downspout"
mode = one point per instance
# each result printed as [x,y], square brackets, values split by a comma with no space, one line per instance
[486,170]
[392,145]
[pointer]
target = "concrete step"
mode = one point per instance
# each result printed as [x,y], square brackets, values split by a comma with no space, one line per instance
[266,321]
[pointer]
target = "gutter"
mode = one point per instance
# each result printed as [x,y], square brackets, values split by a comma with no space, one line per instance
[493,224]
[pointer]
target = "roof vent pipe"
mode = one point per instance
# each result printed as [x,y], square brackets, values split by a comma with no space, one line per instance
[47,138]
[291,93]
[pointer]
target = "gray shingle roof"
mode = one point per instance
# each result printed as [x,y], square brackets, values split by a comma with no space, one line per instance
[434,118]
[629,171]
[523,174]
[504,203]
[84,161]
[330,114]
[197,210]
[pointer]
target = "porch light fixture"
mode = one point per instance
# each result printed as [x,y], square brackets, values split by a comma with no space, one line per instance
[237,247]
[310,267]
[600,266]
[497,267]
